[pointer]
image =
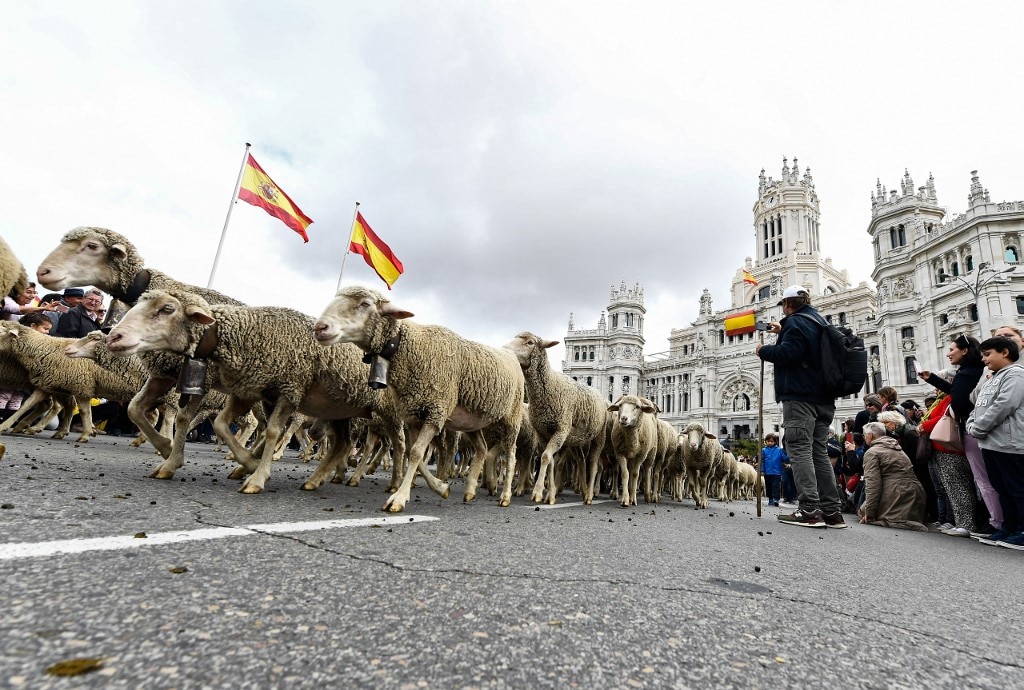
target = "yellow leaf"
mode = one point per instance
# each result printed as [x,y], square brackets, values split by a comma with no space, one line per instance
[75,667]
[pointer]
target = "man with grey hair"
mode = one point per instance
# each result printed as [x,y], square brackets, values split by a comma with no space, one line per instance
[807,410]
[79,320]
[893,497]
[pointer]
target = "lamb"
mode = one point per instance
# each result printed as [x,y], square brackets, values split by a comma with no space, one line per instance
[50,371]
[563,413]
[634,440]
[256,353]
[702,453]
[436,379]
[107,260]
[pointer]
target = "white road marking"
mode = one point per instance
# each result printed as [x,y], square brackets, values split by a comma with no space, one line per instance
[577,503]
[62,546]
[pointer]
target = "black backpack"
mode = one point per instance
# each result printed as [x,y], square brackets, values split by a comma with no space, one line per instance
[844,361]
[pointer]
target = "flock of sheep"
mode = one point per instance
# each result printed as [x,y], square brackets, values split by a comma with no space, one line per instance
[274,371]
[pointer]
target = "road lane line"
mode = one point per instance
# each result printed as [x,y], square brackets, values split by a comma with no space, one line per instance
[573,505]
[15,551]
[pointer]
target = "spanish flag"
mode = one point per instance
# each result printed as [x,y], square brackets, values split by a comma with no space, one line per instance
[377,254]
[749,278]
[740,323]
[259,190]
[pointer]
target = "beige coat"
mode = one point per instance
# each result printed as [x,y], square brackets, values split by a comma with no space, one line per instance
[893,497]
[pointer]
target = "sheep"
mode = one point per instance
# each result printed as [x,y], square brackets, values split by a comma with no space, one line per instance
[256,353]
[725,475]
[436,379]
[668,441]
[748,480]
[12,277]
[108,261]
[635,441]
[701,455]
[563,413]
[51,371]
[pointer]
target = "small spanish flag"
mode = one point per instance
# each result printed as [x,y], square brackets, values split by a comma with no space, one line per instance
[740,323]
[749,278]
[376,254]
[259,190]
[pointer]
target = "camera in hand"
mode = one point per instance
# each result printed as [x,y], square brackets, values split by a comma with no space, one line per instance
[761,326]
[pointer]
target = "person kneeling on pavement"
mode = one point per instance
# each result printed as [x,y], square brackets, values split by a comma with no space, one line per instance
[893,497]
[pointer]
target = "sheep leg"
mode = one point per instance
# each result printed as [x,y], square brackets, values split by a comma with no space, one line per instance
[369,453]
[275,427]
[340,447]
[547,459]
[624,481]
[85,410]
[154,388]
[36,397]
[397,500]
[399,444]
[65,414]
[239,453]
[176,457]
[38,414]
[476,467]
[508,447]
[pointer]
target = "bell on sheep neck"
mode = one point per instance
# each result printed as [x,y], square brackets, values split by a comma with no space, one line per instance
[378,373]
[192,379]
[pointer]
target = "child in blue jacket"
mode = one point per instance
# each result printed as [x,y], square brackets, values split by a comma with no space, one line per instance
[772,458]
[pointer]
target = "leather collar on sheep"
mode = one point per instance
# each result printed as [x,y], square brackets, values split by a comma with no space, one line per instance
[139,285]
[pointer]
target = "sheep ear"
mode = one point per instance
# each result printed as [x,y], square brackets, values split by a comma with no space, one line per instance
[119,252]
[199,315]
[649,409]
[711,436]
[395,312]
[614,407]
[548,343]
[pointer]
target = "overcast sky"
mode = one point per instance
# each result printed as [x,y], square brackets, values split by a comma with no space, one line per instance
[518,157]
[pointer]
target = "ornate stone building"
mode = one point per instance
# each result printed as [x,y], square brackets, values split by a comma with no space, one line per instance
[935,278]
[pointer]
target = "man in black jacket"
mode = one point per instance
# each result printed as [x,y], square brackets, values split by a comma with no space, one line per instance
[807,410]
[79,321]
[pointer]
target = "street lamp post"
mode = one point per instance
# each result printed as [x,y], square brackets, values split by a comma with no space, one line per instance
[983,276]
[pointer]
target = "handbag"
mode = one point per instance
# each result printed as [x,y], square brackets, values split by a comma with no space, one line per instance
[947,431]
[924,448]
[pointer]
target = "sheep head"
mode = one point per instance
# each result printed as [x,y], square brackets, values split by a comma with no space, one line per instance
[695,435]
[530,349]
[9,330]
[90,256]
[358,315]
[85,347]
[161,321]
[630,410]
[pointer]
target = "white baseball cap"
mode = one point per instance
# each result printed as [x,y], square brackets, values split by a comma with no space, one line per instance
[793,291]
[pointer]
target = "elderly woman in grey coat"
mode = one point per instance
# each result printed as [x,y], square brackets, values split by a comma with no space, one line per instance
[893,497]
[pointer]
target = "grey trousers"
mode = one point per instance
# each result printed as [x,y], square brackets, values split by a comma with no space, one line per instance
[807,426]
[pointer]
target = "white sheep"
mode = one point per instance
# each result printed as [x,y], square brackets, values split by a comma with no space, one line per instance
[634,440]
[51,372]
[437,379]
[563,413]
[701,455]
[255,354]
[12,276]
[668,442]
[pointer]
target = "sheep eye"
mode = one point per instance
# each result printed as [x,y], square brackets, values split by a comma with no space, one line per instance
[167,309]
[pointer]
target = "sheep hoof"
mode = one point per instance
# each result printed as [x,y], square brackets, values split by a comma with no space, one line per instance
[352,482]
[445,491]
[237,473]
[338,479]
[504,501]
[309,486]
[82,439]
[60,434]
[161,474]
[394,506]
[250,488]
[136,443]
[469,498]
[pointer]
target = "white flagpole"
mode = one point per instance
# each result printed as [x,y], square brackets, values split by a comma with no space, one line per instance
[352,227]
[227,219]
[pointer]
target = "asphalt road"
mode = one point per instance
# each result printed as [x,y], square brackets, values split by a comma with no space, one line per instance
[656,596]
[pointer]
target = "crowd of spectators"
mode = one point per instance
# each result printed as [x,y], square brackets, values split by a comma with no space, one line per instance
[900,465]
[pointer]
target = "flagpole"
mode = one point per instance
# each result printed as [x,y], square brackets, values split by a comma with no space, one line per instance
[344,256]
[227,219]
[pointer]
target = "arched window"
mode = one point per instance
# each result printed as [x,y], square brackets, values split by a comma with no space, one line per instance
[829,290]
[1011,254]
[590,380]
[765,292]
[591,353]
[576,354]
[969,263]
[741,403]
[955,268]
[974,312]
[842,318]
[721,339]
[615,320]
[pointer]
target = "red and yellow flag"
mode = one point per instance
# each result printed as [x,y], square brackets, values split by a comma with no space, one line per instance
[740,323]
[259,190]
[748,277]
[377,254]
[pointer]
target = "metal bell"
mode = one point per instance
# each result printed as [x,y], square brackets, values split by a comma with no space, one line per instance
[378,373]
[192,379]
